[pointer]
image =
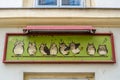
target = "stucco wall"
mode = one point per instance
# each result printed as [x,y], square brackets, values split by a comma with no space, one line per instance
[107,3]
[10,3]
[102,71]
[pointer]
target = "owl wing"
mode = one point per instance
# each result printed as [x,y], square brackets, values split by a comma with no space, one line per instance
[77,45]
[47,50]
[67,48]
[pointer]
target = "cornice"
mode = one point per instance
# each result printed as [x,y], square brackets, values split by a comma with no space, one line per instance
[27,16]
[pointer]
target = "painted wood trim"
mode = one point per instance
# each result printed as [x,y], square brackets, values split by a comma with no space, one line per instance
[95,22]
[28,75]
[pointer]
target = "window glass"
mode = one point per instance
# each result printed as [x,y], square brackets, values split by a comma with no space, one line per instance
[71,2]
[59,3]
[47,2]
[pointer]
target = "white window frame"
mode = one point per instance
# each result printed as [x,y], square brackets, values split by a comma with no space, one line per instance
[59,5]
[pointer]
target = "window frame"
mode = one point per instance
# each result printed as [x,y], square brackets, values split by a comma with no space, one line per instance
[59,5]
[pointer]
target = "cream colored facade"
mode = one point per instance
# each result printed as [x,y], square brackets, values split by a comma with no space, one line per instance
[97,17]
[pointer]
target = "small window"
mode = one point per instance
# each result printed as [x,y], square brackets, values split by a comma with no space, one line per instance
[59,3]
[46,3]
[72,3]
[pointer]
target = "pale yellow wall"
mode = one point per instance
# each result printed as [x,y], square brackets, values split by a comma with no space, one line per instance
[28,3]
[89,3]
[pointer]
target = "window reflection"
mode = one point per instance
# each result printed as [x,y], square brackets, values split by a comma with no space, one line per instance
[71,2]
[47,2]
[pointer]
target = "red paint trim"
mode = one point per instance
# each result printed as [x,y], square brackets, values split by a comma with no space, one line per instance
[31,29]
[61,62]
[5,48]
[64,33]
[59,28]
[113,48]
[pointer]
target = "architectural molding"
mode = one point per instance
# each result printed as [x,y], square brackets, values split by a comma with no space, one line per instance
[22,22]
[22,17]
[41,12]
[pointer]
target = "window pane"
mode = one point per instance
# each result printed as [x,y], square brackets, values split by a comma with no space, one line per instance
[47,2]
[71,2]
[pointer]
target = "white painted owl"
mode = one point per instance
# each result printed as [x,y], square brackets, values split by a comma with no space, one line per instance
[74,47]
[18,48]
[64,49]
[91,49]
[102,50]
[44,50]
[53,49]
[32,49]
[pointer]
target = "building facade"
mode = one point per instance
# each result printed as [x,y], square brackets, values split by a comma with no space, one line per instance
[13,20]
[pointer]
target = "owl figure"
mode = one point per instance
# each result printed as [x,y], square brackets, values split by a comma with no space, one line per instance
[53,49]
[64,49]
[44,49]
[32,49]
[74,47]
[18,48]
[102,50]
[91,49]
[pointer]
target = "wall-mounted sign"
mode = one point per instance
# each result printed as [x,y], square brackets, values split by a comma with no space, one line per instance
[59,48]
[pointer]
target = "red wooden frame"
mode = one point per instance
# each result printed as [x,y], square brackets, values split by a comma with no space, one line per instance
[61,62]
[29,29]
